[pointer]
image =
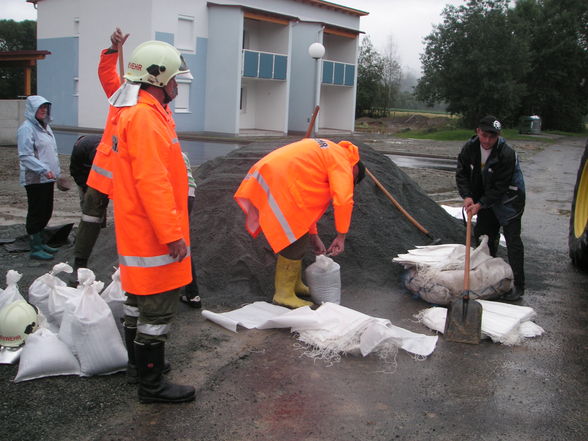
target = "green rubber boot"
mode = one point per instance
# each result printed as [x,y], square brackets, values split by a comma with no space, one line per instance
[37,251]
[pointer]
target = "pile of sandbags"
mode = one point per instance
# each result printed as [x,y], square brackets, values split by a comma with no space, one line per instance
[435,273]
[76,332]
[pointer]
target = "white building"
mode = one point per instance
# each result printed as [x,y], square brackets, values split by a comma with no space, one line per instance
[250,60]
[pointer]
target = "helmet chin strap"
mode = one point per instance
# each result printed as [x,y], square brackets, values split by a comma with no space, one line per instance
[166,98]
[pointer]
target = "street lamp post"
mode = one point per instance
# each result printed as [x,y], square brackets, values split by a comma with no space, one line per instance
[317,51]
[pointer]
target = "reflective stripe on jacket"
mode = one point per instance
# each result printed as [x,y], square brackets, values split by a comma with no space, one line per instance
[150,194]
[286,192]
[100,177]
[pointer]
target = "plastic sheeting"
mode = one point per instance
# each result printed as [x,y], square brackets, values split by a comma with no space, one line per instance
[330,329]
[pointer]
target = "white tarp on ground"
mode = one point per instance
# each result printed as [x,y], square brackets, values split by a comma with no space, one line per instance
[330,329]
[503,323]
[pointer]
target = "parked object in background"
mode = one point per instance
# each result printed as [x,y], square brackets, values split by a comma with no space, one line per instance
[578,237]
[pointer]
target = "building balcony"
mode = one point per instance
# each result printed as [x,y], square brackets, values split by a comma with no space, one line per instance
[340,74]
[264,65]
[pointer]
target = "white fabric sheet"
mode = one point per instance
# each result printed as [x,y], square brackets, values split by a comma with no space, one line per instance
[330,327]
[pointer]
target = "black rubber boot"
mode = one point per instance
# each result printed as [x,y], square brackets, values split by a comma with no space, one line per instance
[153,386]
[514,295]
[130,334]
[79,262]
[132,377]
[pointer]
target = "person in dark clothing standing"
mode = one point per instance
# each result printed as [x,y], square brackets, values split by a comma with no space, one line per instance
[92,202]
[490,181]
[80,163]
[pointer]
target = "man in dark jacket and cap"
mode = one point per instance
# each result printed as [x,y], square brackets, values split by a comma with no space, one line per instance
[490,181]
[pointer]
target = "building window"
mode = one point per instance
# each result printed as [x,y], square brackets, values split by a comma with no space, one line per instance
[182,101]
[76,86]
[185,40]
[76,26]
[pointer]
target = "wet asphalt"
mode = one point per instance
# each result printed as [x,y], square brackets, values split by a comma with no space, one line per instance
[257,385]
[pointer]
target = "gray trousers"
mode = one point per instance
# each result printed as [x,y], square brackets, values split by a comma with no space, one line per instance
[151,315]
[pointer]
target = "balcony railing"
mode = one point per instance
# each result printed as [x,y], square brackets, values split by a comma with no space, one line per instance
[265,65]
[341,74]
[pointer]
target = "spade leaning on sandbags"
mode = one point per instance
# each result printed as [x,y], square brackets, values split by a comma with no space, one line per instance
[285,194]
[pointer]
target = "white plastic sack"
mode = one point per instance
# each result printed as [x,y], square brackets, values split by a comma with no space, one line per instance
[435,273]
[41,289]
[44,355]
[92,331]
[115,298]
[61,298]
[11,294]
[324,280]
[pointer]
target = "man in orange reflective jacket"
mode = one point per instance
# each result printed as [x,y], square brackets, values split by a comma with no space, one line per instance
[285,194]
[151,212]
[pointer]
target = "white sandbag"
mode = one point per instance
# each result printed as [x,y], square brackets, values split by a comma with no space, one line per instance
[115,298]
[324,280]
[44,355]
[438,277]
[11,294]
[503,323]
[41,288]
[60,299]
[93,333]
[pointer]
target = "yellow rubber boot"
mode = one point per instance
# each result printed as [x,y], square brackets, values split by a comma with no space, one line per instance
[287,274]
[300,288]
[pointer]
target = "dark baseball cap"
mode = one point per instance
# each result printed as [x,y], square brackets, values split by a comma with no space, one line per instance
[490,124]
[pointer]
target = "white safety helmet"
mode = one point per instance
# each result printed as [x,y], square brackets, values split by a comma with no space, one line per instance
[156,62]
[17,321]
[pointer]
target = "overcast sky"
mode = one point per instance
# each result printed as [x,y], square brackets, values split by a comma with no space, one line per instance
[406,22]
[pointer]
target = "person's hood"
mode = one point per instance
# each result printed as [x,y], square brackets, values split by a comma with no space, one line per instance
[33,104]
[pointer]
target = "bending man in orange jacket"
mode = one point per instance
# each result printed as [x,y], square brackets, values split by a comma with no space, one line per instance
[285,194]
[151,213]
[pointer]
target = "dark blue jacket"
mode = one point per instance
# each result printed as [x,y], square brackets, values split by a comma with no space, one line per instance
[499,185]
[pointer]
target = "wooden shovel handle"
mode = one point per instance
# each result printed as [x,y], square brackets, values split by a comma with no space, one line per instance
[312,120]
[121,63]
[466,274]
[396,203]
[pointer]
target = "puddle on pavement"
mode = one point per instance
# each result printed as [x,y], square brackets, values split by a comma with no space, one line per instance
[423,162]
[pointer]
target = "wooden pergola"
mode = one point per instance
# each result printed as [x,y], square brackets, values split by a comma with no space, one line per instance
[25,60]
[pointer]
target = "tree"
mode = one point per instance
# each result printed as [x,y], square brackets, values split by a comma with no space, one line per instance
[16,36]
[532,59]
[475,63]
[370,69]
[391,76]
[558,41]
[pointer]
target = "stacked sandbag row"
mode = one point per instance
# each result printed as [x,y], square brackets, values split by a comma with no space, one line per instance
[70,331]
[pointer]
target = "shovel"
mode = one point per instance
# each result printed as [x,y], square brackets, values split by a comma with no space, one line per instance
[464,316]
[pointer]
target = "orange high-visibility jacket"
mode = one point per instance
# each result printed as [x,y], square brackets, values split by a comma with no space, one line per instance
[150,194]
[286,192]
[100,177]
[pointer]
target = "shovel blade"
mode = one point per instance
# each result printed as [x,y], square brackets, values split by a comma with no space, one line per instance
[464,321]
